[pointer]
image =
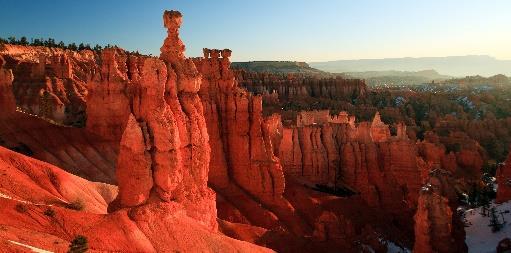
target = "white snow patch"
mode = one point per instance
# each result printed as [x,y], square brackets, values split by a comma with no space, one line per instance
[5,196]
[34,249]
[479,236]
[394,248]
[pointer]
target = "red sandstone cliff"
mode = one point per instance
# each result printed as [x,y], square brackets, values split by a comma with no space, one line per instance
[382,168]
[51,82]
[243,168]
[7,101]
[296,86]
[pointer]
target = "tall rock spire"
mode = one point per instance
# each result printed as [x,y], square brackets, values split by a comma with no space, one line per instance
[187,78]
[7,101]
[164,152]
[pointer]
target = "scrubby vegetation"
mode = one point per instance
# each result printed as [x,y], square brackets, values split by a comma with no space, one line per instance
[21,208]
[51,43]
[79,244]
[49,212]
[77,205]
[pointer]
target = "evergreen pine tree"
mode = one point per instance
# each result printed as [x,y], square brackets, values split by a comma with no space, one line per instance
[495,223]
[79,245]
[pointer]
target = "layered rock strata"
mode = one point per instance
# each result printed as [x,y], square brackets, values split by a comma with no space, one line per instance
[51,82]
[296,86]
[7,101]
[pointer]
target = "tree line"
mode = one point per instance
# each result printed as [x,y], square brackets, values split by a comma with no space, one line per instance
[49,42]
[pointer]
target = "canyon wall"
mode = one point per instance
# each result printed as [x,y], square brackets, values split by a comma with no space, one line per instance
[384,169]
[296,86]
[7,101]
[242,148]
[51,82]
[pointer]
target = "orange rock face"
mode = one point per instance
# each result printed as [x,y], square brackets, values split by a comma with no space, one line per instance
[433,224]
[241,146]
[164,152]
[22,176]
[108,97]
[296,86]
[7,101]
[438,228]
[382,168]
[51,82]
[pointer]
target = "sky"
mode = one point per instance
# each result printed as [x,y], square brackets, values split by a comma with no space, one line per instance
[298,30]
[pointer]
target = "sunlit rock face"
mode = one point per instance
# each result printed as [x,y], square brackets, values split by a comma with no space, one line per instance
[335,152]
[51,82]
[7,101]
[243,152]
[164,151]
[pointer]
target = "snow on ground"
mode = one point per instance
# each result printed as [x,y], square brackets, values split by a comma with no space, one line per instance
[34,249]
[391,247]
[394,248]
[480,238]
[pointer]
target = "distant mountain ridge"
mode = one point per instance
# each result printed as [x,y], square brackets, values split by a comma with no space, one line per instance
[394,77]
[429,74]
[277,67]
[459,66]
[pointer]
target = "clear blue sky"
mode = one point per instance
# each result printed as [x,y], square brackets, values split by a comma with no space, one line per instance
[276,29]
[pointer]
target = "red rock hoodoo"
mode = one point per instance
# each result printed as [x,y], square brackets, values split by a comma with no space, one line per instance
[438,227]
[504,182]
[433,224]
[7,101]
[164,152]
[334,152]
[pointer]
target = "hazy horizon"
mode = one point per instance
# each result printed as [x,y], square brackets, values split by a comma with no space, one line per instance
[283,30]
[386,58]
